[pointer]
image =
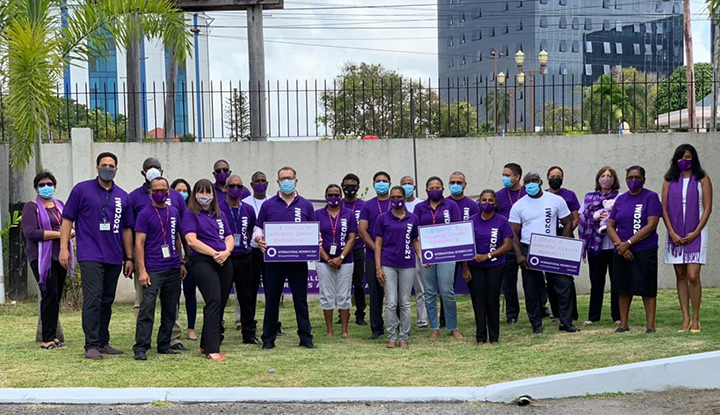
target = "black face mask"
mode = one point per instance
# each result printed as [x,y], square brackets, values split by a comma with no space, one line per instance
[555,184]
[350,191]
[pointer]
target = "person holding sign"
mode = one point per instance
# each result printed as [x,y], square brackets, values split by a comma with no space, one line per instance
[338,228]
[286,206]
[396,248]
[160,268]
[434,211]
[493,239]
[632,227]
[209,234]
[539,213]
[242,222]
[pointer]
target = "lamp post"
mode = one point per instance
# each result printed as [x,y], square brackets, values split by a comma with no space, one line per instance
[501,81]
[519,60]
[495,56]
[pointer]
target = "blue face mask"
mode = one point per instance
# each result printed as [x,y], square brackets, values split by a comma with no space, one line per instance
[532,189]
[456,189]
[287,186]
[409,189]
[382,188]
[46,192]
[507,182]
[184,195]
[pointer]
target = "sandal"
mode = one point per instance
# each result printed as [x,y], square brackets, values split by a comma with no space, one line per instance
[218,357]
[51,346]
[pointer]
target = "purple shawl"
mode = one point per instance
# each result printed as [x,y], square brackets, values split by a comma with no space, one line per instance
[45,246]
[684,224]
[588,227]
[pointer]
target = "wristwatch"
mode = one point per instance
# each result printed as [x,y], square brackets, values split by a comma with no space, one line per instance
[342,257]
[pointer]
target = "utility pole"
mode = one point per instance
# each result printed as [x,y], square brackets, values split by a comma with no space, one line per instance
[256,57]
[715,46]
[689,70]
[134,99]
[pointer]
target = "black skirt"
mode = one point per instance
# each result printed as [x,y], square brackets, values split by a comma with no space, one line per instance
[636,277]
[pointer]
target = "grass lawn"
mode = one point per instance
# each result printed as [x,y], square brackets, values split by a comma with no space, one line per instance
[355,361]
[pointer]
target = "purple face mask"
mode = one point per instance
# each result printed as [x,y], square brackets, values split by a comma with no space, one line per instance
[487,207]
[235,192]
[159,198]
[635,185]
[260,187]
[397,203]
[333,201]
[685,164]
[221,177]
[435,195]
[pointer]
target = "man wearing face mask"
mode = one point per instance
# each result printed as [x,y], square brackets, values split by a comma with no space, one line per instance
[141,199]
[221,172]
[286,206]
[510,194]
[350,186]
[366,228]
[103,220]
[539,213]
[408,185]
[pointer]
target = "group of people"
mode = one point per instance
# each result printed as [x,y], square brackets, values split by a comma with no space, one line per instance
[210,236]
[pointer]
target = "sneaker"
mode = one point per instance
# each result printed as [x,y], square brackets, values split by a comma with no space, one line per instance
[360,321]
[422,324]
[621,330]
[109,350]
[93,354]
[140,355]
[512,321]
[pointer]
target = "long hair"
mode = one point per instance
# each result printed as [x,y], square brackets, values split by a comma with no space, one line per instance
[204,186]
[674,172]
[616,180]
[183,181]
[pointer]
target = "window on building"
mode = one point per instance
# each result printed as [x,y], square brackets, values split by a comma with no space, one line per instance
[507,6]
[543,1]
[563,46]
[606,4]
[563,69]
[464,81]
[648,50]
[462,18]
[661,28]
[618,48]
[506,29]
[659,8]
[451,42]
[618,26]
[450,21]
[520,4]
[462,39]
[606,25]
[478,56]
[518,46]
[636,27]
[588,70]
[659,49]
[606,69]
[676,8]
[477,34]
[636,6]
[543,21]
[636,48]
[576,46]
[478,13]
[520,26]
[648,28]
[543,45]
[606,48]
[462,61]
[588,47]
[618,68]
[618,6]
[563,23]
[491,32]
[563,2]
[506,50]
[588,23]
[451,64]
[576,23]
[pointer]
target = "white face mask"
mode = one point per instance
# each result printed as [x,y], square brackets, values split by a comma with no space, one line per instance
[152,174]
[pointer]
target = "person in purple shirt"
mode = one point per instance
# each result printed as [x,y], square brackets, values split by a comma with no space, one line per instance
[189,287]
[493,239]
[160,268]
[103,220]
[209,235]
[632,226]
[437,210]
[338,227]
[242,222]
[350,186]
[286,206]
[366,228]
[42,217]
[221,172]
[396,248]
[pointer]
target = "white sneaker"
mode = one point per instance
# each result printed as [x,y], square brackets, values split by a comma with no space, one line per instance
[422,324]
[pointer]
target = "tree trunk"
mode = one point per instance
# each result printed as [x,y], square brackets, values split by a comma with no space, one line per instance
[689,70]
[171,82]
[134,88]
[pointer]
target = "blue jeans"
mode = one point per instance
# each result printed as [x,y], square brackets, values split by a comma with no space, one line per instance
[440,276]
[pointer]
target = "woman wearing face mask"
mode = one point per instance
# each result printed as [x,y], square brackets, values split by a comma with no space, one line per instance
[189,287]
[687,204]
[41,227]
[396,247]
[209,234]
[437,210]
[338,227]
[632,226]
[484,274]
[599,249]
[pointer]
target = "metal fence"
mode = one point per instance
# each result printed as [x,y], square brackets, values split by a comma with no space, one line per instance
[335,109]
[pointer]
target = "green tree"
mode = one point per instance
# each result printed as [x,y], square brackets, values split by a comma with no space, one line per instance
[503,107]
[560,119]
[236,114]
[672,94]
[72,114]
[457,120]
[608,101]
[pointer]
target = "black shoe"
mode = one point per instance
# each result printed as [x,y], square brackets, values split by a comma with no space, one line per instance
[360,321]
[308,344]
[512,321]
[374,336]
[538,330]
[650,331]
[268,346]
[140,355]
[252,340]
[279,330]
[621,330]
[168,351]
[179,347]
[569,328]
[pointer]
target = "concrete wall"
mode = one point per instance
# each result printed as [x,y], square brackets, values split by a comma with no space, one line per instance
[320,163]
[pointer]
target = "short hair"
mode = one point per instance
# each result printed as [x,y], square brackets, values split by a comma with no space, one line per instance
[532,174]
[433,179]
[515,168]
[397,188]
[350,176]
[556,168]
[407,177]
[381,173]
[205,186]
[636,167]
[458,173]
[160,178]
[106,154]
[333,186]
[256,175]
[220,161]
[234,175]
[287,168]
[44,175]
[616,181]
[151,162]
[183,181]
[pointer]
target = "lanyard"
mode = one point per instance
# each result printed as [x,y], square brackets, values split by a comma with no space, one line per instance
[55,214]
[342,203]
[167,222]
[104,202]
[434,215]
[333,226]
[510,196]
[380,208]
[235,218]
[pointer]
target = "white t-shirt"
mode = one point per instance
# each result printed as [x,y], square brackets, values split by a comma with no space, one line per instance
[410,206]
[256,204]
[538,215]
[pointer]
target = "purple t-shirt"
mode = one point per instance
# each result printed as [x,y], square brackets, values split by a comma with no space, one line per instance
[398,235]
[490,235]
[100,216]
[506,198]
[161,225]
[571,201]
[276,210]
[344,224]
[34,234]
[221,195]
[370,212]
[355,206]
[140,199]
[631,214]
[209,229]
[466,206]
[242,223]
[446,212]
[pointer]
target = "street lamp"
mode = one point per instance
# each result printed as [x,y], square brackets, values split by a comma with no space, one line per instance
[543,57]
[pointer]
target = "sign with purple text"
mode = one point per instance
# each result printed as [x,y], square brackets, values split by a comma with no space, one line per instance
[555,254]
[447,243]
[292,241]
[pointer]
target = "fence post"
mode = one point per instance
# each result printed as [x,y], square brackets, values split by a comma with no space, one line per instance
[81,151]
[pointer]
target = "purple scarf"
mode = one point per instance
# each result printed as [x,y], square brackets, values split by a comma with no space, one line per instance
[588,227]
[45,247]
[684,224]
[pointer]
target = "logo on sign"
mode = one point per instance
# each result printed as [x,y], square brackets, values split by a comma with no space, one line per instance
[534,260]
[428,255]
[271,252]
[637,218]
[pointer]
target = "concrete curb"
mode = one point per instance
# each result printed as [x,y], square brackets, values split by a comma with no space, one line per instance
[698,371]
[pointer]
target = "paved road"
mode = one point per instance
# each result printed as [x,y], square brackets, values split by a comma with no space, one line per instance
[676,402]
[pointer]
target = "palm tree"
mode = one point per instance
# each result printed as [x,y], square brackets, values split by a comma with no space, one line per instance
[503,107]
[606,103]
[35,47]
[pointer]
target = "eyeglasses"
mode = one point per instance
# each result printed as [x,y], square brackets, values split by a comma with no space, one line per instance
[156,191]
[457,182]
[333,195]
[235,186]
[45,184]
[225,170]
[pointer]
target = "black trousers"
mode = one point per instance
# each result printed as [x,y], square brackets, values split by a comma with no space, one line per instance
[485,296]
[601,265]
[358,282]
[510,277]
[296,275]
[168,283]
[99,283]
[258,274]
[50,303]
[377,293]
[214,282]
[550,295]
[243,279]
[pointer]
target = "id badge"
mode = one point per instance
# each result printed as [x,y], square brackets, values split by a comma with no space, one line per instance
[165,251]
[236,237]
[104,226]
[333,249]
